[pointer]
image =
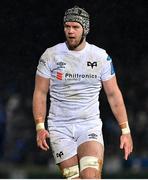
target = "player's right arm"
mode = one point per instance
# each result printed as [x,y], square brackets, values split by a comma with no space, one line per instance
[39,110]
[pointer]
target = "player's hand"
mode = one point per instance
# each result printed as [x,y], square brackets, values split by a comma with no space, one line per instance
[42,135]
[126,143]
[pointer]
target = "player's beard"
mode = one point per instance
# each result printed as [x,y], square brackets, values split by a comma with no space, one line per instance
[73,43]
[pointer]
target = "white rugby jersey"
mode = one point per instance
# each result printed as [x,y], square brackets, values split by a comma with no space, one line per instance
[75,81]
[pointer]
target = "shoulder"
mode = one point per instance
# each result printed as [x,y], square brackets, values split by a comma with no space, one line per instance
[55,49]
[50,52]
[99,52]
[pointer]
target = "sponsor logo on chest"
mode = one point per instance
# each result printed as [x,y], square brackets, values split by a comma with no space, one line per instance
[67,74]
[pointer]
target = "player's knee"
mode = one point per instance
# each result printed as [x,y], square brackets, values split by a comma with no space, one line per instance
[90,173]
[90,167]
[71,172]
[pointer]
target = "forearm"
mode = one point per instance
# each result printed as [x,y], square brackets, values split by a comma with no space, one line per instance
[118,107]
[39,113]
[39,106]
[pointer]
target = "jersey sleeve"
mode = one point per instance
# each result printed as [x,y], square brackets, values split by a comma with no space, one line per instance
[43,68]
[108,69]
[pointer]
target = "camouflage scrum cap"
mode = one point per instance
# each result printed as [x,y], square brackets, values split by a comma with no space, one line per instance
[79,15]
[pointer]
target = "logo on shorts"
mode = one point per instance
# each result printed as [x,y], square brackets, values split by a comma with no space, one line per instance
[92,136]
[60,154]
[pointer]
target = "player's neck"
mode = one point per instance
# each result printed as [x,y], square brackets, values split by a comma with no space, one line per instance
[81,46]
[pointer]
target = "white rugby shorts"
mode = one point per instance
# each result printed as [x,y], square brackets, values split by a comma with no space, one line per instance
[65,139]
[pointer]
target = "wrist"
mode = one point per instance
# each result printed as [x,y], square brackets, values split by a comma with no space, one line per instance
[40,126]
[125,128]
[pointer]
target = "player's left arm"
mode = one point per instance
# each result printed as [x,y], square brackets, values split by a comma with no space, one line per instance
[117,105]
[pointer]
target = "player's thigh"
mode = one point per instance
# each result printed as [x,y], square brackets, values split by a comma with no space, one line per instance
[91,148]
[68,163]
[91,154]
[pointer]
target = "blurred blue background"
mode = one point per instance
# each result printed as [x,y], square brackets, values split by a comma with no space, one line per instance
[28,27]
